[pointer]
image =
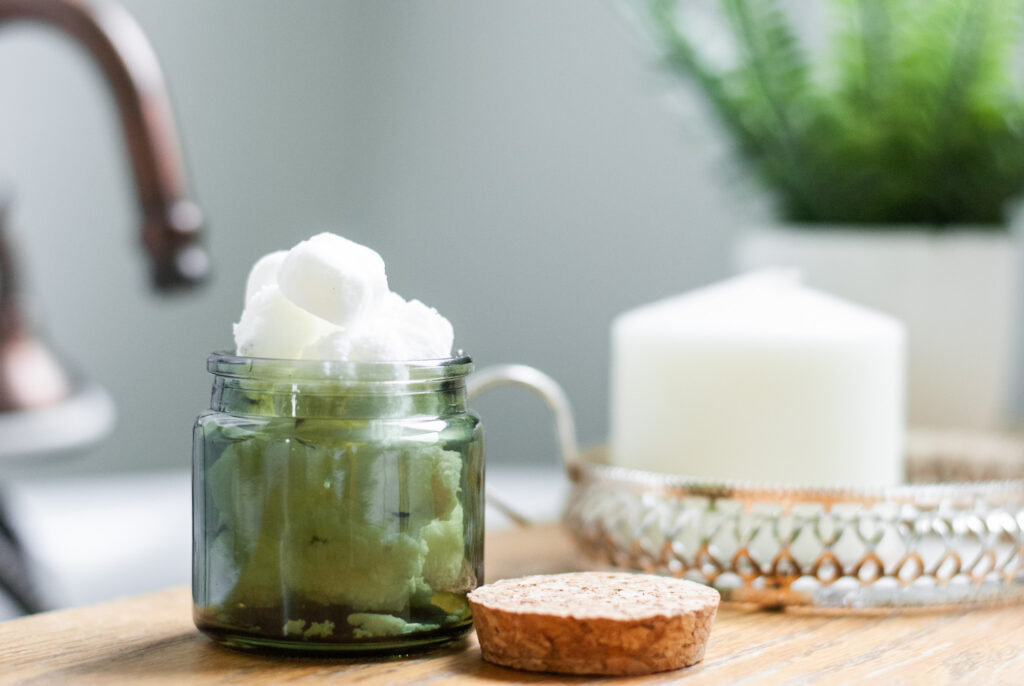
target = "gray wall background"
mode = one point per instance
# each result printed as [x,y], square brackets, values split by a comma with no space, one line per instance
[518,165]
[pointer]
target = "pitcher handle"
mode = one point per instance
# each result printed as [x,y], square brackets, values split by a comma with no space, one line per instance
[554,397]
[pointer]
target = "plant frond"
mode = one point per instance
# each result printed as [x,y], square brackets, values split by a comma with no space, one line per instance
[918,118]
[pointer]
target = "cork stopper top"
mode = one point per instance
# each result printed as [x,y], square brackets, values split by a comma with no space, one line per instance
[592,595]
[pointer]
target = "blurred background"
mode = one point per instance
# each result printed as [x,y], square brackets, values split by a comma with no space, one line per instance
[515,164]
[530,169]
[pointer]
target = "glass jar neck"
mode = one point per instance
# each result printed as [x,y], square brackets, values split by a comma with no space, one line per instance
[338,390]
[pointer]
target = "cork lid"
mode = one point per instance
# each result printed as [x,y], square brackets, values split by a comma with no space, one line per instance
[594,622]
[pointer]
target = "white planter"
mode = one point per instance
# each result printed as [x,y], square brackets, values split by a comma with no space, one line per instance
[956,292]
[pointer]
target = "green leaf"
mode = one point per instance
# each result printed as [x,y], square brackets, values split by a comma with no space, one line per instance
[913,114]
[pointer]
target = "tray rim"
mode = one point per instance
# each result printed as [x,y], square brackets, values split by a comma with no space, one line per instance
[588,467]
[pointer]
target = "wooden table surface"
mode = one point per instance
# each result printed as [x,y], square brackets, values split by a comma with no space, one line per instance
[151,640]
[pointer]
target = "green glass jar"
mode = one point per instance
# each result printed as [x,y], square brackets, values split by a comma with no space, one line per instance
[337,506]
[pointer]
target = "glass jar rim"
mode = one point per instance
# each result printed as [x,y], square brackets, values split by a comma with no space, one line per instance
[228,364]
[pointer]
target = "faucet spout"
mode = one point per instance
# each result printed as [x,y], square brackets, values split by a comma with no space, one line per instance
[171,223]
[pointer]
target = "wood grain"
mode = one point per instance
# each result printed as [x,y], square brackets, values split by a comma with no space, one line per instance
[151,640]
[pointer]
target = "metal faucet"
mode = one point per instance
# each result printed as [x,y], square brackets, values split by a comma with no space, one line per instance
[170,222]
[31,376]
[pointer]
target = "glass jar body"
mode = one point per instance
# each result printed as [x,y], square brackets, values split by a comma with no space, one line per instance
[337,515]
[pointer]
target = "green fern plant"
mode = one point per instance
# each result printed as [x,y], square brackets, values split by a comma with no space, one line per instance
[909,115]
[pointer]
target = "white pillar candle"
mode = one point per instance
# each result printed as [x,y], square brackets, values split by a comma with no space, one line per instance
[759,378]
